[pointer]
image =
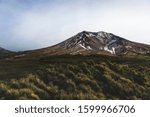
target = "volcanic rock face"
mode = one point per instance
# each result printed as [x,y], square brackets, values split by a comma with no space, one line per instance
[87,43]
[102,42]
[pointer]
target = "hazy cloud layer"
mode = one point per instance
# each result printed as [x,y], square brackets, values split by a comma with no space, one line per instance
[30,24]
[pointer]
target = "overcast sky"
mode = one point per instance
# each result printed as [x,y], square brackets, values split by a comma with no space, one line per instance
[31,24]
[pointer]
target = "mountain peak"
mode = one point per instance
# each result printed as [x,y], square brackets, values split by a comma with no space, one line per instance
[101,42]
[92,41]
[100,33]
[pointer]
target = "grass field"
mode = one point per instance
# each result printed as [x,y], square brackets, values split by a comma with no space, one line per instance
[75,77]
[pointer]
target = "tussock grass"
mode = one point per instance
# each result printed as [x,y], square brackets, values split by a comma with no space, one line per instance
[75,77]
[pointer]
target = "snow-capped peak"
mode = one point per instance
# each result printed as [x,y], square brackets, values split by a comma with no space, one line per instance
[99,41]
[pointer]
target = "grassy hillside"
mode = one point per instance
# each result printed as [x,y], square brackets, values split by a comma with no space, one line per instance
[75,77]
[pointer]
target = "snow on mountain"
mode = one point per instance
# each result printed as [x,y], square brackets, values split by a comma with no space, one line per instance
[104,42]
[92,41]
[87,43]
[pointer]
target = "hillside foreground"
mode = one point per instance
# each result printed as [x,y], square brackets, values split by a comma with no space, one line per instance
[75,77]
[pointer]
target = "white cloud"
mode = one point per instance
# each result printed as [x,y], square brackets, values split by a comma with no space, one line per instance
[47,24]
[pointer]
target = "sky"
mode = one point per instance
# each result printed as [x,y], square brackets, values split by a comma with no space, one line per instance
[32,24]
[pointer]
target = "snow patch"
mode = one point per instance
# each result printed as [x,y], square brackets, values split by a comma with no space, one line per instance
[101,48]
[113,49]
[128,47]
[91,35]
[109,50]
[89,48]
[112,41]
[82,46]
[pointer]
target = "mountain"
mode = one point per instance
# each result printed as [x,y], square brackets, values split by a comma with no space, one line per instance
[4,53]
[97,43]
[62,72]
[2,50]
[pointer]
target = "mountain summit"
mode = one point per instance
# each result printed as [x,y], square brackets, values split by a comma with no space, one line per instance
[97,43]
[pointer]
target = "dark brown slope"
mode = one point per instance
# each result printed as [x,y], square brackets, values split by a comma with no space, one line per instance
[2,51]
[87,43]
[96,43]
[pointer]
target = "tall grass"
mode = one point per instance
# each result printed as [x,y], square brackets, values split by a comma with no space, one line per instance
[76,77]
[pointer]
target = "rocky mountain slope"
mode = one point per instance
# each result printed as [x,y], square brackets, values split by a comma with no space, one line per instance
[97,43]
[4,53]
[2,50]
